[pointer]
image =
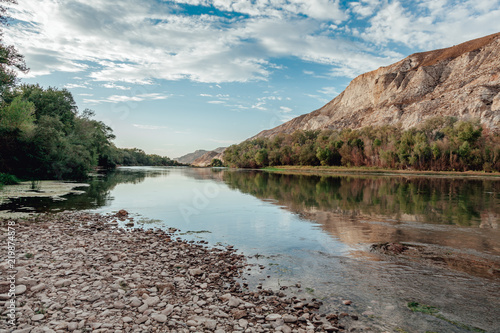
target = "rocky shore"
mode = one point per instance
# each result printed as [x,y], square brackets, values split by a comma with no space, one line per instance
[81,272]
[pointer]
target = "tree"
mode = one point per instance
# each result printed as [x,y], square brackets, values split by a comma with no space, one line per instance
[11,60]
[18,115]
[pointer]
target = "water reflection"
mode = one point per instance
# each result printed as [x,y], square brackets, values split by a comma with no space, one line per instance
[463,202]
[97,194]
[361,210]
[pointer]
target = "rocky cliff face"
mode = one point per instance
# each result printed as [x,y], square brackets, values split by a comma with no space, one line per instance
[191,157]
[461,81]
[206,159]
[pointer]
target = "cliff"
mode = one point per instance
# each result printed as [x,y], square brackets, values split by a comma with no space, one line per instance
[461,81]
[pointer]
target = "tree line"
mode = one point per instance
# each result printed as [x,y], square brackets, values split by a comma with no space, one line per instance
[439,144]
[44,135]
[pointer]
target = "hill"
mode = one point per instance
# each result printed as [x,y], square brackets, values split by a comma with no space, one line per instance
[461,81]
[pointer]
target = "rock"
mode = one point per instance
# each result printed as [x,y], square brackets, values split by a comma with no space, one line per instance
[72,326]
[38,317]
[234,302]
[127,319]
[161,318]
[135,302]
[237,314]
[168,310]
[195,272]
[210,324]
[273,316]
[152,301]
[38,287]
[122,213]
[347,302]
[20,289]
[118,305]
[290,318]
[62,283]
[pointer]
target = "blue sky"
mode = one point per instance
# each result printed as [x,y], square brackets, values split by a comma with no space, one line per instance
[171,77]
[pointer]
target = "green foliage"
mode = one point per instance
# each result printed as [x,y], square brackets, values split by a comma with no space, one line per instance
[18,115]
[216,163]
[6,179]
[440,144]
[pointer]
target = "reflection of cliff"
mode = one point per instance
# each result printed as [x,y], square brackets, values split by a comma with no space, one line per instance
[356,229]
[364,209]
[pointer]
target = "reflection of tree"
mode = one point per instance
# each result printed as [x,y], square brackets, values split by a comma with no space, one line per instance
[96,195]
[439,200]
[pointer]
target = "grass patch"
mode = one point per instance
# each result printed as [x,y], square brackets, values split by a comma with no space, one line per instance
[433,311]
[7,179]
[427,309]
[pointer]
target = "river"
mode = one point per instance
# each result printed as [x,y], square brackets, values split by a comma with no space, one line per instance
[318,232]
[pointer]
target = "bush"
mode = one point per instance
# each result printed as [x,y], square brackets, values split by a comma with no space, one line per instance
[6,179]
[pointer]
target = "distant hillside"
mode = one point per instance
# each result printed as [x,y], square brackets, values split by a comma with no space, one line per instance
[207,158]
[461,81]
[189,158]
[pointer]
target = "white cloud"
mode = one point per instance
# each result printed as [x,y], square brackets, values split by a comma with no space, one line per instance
[285,109]
[433,23]
[75,85]
[125,98]
[140,41]
[112,85]
[149,127]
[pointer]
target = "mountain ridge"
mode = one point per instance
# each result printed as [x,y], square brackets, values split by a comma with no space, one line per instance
[461,81]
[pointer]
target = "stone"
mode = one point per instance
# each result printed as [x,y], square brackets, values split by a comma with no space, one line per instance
[118,305]
[143,308]
[72,326]
[161,318]
[237,314]
[20,289]
[347,302]
[127,319]
[195,271]
[234,302]
[135,302]
[273,316]
[38,317]
[290,318]
[152,301]
[38,287]
[62,283]
[168,310]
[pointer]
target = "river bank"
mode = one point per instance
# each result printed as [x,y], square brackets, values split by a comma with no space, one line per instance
[82,272]
[319,170]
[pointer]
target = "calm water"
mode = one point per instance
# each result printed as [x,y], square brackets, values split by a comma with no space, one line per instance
[318,230]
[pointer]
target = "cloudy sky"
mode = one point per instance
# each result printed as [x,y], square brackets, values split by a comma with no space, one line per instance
[171,77]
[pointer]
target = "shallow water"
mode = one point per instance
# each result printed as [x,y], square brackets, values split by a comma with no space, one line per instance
[317,231]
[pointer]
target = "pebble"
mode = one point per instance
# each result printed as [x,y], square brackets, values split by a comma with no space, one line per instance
[91,275]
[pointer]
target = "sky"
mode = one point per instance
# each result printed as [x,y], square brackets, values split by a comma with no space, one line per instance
[171,77]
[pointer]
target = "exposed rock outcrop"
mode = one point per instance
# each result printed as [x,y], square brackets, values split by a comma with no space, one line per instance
[191,157]
[206,159]
[461,81]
